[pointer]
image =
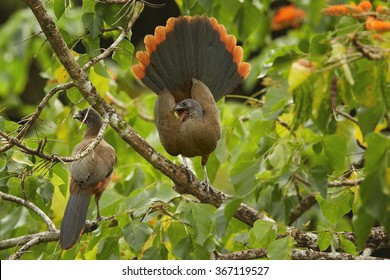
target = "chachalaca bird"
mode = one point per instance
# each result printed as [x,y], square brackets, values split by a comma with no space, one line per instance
[190,63]
[89,176]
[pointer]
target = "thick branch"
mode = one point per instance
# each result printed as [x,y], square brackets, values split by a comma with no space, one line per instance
[30,206]
[296,254]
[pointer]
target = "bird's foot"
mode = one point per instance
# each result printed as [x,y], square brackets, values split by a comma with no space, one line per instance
[99,218]
[206,185]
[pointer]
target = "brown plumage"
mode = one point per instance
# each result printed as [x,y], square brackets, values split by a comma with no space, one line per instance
[89,176]
[190,63]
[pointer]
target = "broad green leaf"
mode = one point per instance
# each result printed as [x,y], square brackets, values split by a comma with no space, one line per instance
[374,189]
[299,72]
[60,178]
[362,223]
[89,6]
[45,190]
[348,245]
[14,185]
[93,22]
[335,150]
[318,179]
[248,17]
[280,249]
[243,176]
[75,96]
[106,247]
[336,206]
[369,118]
[325,239]
[101,83]
[123,54]
[225,213]
[183,248]
[21,158]
[318,45]
[201,217]
[59,7]
[136,234]
[92,45]
[262,234]
[156,252]
[187,6]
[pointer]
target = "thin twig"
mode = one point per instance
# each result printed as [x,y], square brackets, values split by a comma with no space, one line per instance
[55,158]
[31,120]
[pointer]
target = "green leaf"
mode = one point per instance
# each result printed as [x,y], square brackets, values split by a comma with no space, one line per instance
[348,245]
[225,213]
[89,6]
[75,96]
[243,176]
[362,223]
[93,22]
[248,16]
[187,5]
[123,54]
[59,178]
[156,252]
[136,234]
[21,158]
[262,234]
[201,217]
[3,163]
[280,249]
[14,185]
[335,207]
[369,118]
[92,45]
[325,239]
[183,248]
[336,150]
[106,247]
[59,7]
[374,191]
[318,179]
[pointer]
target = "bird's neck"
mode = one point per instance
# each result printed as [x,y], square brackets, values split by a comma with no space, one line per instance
[92,131]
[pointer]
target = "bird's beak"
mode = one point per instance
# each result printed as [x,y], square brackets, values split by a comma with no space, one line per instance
[78,116]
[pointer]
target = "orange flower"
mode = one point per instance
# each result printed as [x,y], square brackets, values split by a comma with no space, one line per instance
[380,9]
[377,25]
[288,16]
[336,10]
[365,6]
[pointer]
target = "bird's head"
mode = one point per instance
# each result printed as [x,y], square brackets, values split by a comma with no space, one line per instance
[188,109]
[89,117]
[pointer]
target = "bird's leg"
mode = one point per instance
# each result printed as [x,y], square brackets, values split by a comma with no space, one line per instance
[184,161]
[206,181]
[98,217]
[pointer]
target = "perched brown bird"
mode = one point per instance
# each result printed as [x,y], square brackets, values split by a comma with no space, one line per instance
[190,63]
[89,176]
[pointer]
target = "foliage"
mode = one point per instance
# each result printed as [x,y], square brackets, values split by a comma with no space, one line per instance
[316,126]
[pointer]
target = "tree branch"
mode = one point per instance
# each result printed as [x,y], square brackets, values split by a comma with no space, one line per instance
[54,158]
[30,206]
[296,254]
[31,120]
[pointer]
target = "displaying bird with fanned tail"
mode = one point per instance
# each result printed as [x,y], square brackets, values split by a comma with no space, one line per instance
[191,63]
